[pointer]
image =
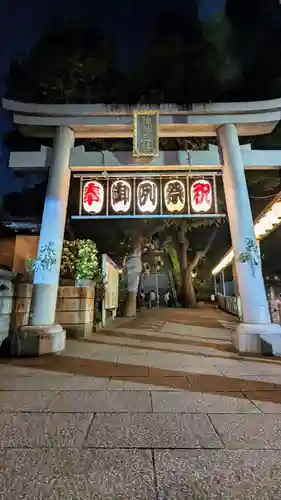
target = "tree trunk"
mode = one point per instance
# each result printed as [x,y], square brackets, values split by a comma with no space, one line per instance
[133,269]
[189,289]
[130,306]
[188,298]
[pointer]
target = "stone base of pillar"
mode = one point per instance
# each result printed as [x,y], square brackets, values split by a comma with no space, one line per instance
[257,339]
[37,340]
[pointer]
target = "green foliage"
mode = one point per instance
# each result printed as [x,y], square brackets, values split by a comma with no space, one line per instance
[30,265]
[263,182]
[100,282]
[196,232]
[45,260]
[80,260]
[87,264]
[81,68]
[223,62]
[203,287]
[251,253]
[122,290]
[97,316]
[171,251]
[68,259]
[188,59]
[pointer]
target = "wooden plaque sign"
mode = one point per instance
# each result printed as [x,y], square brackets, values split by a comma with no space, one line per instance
[146,133]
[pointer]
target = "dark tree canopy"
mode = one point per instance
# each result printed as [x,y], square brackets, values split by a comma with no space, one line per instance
[70,64]
[233,55]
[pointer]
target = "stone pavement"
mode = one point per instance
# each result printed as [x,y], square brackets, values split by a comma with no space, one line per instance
[158,408]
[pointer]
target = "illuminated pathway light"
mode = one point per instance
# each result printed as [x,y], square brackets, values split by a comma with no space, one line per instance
[267,221]
[226,260]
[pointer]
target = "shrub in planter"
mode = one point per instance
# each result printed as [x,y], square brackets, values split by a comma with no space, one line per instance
[100,282]
[68,260]
[80,262]
[87,263]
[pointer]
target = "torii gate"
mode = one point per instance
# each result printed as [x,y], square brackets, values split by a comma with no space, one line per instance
[226,121]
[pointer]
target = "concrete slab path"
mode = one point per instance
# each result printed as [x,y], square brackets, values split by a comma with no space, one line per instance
[160,407]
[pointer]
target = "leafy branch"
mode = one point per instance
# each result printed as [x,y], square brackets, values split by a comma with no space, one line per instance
[250,254]
[45,260]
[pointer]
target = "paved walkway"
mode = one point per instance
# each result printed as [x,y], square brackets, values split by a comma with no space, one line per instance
[158,408]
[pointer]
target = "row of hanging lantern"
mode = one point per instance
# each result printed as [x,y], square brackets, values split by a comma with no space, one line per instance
[148,193]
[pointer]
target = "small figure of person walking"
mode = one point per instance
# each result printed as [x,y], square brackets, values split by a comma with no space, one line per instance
[152,299]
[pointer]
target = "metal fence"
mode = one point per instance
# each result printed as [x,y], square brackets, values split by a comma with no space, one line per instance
[230,304]
[275,311]
[233,306]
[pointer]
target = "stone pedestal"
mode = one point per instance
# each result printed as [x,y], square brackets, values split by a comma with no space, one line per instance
[21,306]
[38,340]
[257,338]
[74,309]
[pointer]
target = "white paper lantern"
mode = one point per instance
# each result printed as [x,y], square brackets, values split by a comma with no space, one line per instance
[201,195]
[147,196]
[93,197]
[121,196]
[174,195]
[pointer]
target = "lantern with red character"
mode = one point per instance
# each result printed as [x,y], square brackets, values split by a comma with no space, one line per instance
[201,196]
[93,197]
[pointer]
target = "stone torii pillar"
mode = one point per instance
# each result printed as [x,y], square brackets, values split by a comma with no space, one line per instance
[256,326]
[46,278]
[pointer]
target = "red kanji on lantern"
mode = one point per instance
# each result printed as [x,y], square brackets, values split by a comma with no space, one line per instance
[92,192]
[201,196]
[93,197]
